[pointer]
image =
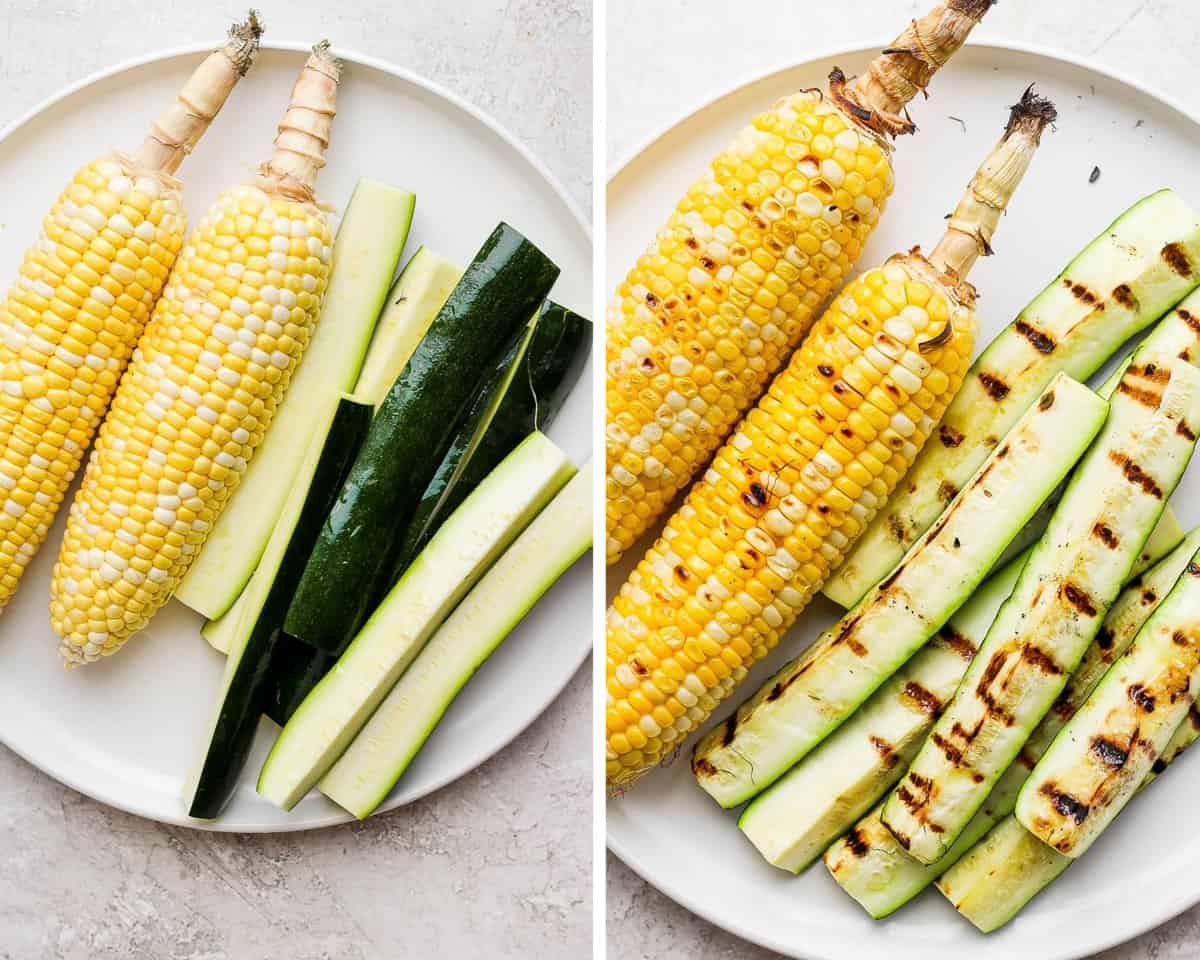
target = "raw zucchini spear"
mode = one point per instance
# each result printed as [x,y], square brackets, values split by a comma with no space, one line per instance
[247,671]
[524,392]
[351,565]
[806,700]
[1129,276]
[385,747]
[1074,574]
[1010,866]
[365,254]
[421,290]
[1097,761]
[458,555]
[868,863]
[794,820]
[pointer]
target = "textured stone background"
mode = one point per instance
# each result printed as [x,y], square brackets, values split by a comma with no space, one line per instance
[666,57]
[497,865]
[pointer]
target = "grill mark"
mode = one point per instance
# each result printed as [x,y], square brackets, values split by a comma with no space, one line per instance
[919,781]
[1039,658]
[855,647]
[884,749]
[858,844]
[681,572]
[958,643]
[1047,400]
[1194,716]
[730,729]
[1078,598]
[1180,639]
[896,528]
[1104,639]
[891,578]
[1065,804]
[703,767]
[1153,372]
[1136,475]
[1081,292]
[1193,568]
[638,667]
[1149,596]
[927,701]
[1142,698]
[1189,318]
[1106,535]
[907,798]
[996,388]
[1159,765]
[1124,296]
[949,436]
[756,496]
[1186,432]
[947,491]
[1112,755]
[1144,396]
[1176,259]
[991,671]
[949,750]
[1042,342]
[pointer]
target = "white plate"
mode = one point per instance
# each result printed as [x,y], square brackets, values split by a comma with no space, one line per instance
[1143,870]
[126,730]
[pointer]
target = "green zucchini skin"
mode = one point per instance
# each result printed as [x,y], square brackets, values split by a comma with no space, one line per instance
[249,668]
[350,566]
[295,669]
[532,397]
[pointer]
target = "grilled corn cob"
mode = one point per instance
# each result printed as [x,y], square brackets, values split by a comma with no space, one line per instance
[81,298]
[801,477]
[737,275]
[207,375]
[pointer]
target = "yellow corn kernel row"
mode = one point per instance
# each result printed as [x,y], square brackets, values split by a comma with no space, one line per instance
[212,366]
[731,284]
[783,499]
[70,320]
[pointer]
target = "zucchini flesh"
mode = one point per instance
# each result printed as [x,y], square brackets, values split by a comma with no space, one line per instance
[458,555]
[1071,579]
[383,750]
[1130,275]
[868,863]
[996,878]
[1095,764]
[247,671]
[523,393]
[413,301]
[806,700]
[368,246]
[350,565]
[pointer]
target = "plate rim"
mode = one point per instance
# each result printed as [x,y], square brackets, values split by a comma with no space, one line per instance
[1171,906]
[355,57]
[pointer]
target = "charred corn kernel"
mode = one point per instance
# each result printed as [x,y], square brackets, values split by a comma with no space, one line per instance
[80,300]
[784,544]
[725,293]
[210,369]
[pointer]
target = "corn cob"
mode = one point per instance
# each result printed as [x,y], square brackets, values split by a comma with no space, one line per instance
[733,281]
[800,478]
[206,377]
[81,298]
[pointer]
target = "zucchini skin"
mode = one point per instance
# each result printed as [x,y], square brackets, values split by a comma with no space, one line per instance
[350,566]
[1133,272]
[249,689]
[810,697]
[1114,500]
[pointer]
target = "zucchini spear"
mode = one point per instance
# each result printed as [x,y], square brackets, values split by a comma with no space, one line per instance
[1112,503]
[806,700]
[1097,761]
[868,863]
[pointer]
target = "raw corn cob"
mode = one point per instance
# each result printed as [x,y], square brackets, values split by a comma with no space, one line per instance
[80,300]
[801,476]
[207,375]
[733,281]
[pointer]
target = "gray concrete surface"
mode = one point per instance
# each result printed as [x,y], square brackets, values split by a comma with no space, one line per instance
[663,59]
[497,865]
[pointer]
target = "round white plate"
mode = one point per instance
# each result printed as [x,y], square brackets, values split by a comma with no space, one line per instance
[126,730]
[1143,870]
